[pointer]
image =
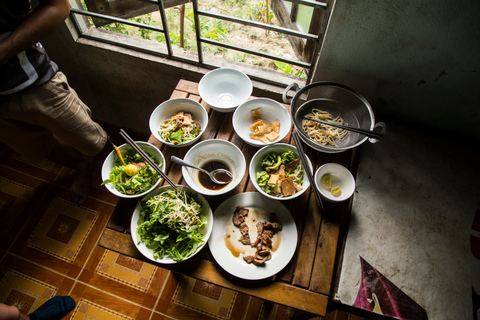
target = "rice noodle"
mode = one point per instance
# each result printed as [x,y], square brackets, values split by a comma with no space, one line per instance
[322,133]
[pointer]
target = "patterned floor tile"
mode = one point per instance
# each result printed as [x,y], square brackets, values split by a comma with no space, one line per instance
[61,234]
[97,304]
[19,195]
[47,170]
[123,276]
[185,298]
[28,286]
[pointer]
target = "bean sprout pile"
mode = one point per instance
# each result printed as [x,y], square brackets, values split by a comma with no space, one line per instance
[171,224]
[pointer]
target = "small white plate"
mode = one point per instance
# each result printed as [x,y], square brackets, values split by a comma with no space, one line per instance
[236,265]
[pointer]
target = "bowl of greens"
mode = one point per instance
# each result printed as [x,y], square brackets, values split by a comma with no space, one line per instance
[171,226]
[277,172]
[130,176]
[178,122]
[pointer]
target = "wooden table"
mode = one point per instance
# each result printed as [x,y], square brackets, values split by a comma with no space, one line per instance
[305,283]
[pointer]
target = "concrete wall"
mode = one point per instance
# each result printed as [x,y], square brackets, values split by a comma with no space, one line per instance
[415,61]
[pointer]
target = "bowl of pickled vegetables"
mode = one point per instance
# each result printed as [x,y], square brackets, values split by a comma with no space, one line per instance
[127,175]
[178,122]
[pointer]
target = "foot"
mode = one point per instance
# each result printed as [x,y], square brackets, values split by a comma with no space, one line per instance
[53,309]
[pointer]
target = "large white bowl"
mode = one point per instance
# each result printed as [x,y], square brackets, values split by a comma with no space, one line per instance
[341,177]
[206,231]
[271,111]
[109,164]
[214,149]
[169,108]
[224,89]
[255,166]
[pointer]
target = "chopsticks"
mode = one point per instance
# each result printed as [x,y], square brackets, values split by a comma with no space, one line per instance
[368,133]
[146,157]
[310,177]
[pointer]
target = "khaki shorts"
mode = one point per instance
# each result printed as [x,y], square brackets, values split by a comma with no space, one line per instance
[31,120]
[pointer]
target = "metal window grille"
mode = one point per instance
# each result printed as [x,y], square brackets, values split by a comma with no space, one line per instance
[199,38]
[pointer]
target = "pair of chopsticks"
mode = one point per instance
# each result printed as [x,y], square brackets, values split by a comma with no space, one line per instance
[310,177]
[368,133]
[146,157]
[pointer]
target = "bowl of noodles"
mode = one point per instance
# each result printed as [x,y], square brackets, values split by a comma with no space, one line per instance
[331,102]
[178,122]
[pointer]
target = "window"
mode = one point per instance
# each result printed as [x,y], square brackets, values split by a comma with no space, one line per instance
[200,32]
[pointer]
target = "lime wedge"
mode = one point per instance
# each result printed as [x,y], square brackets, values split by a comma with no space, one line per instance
[336,191]
[327,181]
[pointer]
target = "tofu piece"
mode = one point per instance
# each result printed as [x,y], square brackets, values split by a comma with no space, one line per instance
[259,136]
[276,126]
[288,188]
[256,114]
[187,119]
[277,188]
[272,136]
[281,173]
[273,179]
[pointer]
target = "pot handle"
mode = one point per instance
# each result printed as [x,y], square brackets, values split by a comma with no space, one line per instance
[379,127]
[293,86]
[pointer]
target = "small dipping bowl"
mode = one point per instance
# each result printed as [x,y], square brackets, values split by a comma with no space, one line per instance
[341,177]
[207,152]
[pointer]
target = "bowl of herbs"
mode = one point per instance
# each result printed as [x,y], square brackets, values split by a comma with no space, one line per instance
[169,226]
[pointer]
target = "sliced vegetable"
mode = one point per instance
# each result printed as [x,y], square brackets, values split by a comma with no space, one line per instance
[336,191]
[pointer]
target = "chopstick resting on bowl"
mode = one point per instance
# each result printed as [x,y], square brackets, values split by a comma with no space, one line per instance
[310,177]
[146,157]
[368,133]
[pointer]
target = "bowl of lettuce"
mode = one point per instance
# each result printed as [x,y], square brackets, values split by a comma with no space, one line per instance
[132,177]
[178,122]
[171,226]
[277,172]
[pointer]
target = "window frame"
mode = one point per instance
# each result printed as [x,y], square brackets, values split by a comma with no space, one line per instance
[80,19]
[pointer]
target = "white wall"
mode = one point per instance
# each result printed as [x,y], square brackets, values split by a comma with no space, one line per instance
[415,61]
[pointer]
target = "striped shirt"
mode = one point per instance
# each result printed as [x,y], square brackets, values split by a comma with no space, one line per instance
[31,67]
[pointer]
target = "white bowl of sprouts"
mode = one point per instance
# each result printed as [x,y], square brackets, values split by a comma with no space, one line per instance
[178,122]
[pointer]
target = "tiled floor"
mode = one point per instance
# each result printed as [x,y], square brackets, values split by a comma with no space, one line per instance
[48,247]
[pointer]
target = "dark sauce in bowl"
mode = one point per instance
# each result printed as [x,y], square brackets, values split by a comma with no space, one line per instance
[205,180]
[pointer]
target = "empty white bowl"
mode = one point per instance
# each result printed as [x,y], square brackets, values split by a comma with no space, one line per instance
[271,111]
[255,166]
[109,164]
[171,107]
[341,177]
[210,150]
[224,89]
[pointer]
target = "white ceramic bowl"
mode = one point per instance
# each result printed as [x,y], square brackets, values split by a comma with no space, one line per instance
[214,149]
[224,89]
[109,164]
[255,166]
[171,107]
[271,111]
[341,177]
[206,231]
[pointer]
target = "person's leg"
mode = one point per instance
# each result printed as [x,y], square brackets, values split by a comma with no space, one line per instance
[11,313]
[65,155]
